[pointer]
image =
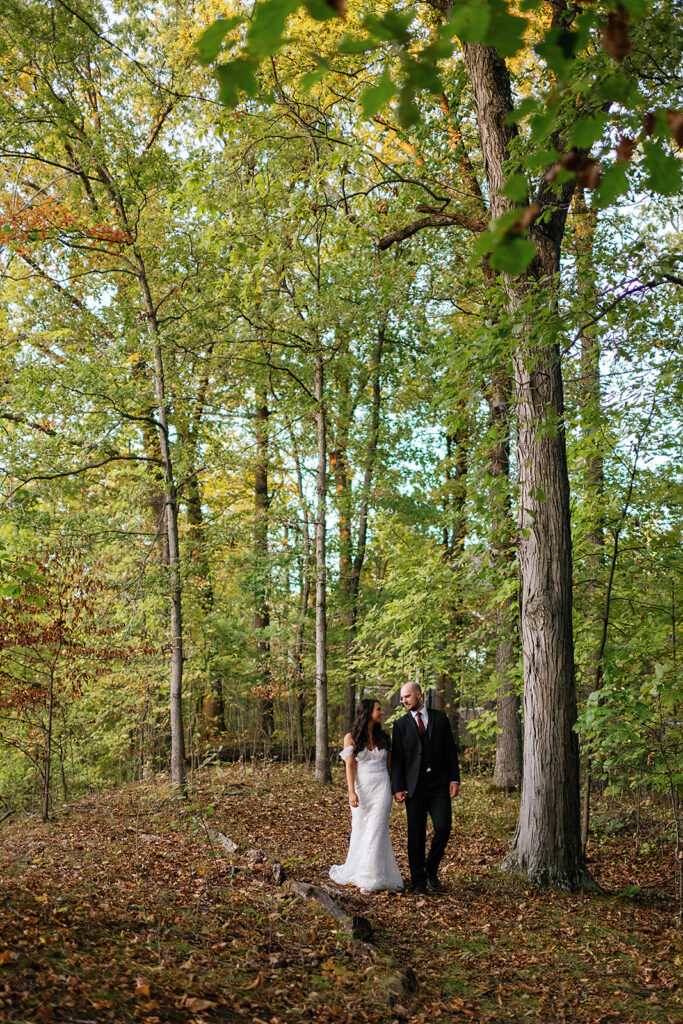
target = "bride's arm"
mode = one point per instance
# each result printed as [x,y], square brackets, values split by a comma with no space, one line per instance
[350,771]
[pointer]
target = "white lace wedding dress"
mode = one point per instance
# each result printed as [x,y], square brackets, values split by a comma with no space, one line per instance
[370,863]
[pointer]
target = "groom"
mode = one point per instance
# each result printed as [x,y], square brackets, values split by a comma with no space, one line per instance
[426,776]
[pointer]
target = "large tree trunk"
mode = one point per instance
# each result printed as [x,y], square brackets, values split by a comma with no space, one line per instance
[175,587]
[304,596]
[266,721]
[507,773]
[339,469]
[590,401]
[547,843]
[322,758]
[213,710]
[454,531]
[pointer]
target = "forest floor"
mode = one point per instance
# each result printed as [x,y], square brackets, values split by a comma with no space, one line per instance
[123,908]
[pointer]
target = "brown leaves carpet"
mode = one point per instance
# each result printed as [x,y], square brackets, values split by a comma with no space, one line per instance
[124,908]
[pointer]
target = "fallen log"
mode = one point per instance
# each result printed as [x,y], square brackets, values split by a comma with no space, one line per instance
[227,845]
[357,926]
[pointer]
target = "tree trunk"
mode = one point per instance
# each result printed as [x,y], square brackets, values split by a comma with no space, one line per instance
[322,760]
[507,772]
[454,531]
[304,591]
[340,472]
[213,705]
[266,721]
[547,842]
[353,563]
[175,587]
[48,746]
[591,417]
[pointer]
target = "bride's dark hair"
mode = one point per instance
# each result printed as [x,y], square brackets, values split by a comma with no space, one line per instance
[359,729]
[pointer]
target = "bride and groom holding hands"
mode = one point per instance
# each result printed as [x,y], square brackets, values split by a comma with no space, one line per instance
[419,765]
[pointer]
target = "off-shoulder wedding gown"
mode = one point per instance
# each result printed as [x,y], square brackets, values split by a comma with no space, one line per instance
[370,863]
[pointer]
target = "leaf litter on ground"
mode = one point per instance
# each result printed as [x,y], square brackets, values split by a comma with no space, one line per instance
[123,908]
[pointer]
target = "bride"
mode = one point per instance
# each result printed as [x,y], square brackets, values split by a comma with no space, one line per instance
[370,863]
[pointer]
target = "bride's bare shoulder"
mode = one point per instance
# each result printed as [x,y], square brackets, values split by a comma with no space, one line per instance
[348,740]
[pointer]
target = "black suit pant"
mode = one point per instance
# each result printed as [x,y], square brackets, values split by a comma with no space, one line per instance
[430,799]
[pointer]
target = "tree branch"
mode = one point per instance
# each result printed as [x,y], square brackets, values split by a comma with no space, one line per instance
[438,220]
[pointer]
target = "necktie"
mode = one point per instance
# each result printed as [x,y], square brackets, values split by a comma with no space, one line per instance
[420,724]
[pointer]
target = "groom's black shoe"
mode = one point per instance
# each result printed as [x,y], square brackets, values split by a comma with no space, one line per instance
[419,890]
[434,884]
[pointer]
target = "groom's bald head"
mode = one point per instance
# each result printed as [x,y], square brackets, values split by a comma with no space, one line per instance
[411,696]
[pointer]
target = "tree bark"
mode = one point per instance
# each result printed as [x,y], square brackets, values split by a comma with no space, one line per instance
[304,592]
[547,842]
[339,470]
[322,759]
[48,747]
[266,720]
[350,562]
[591,415]
[175,588]
[213,708]
[507,773]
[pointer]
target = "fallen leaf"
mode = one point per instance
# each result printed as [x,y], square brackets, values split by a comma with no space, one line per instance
[615,34]
[625,149]
[196,1005]
[674,119]
[526,218]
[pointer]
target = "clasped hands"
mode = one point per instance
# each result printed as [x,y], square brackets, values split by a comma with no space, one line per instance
[453,789]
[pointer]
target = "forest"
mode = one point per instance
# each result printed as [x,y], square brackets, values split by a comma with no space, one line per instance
[341,348]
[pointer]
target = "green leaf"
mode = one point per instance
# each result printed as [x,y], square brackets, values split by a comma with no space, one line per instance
[615,88]
[235,78]
[210,41]
[393,27]
[614,183]
[664,170]
[307,81]
[527,106]
[321,10]
[469,22]
[373,98]
[513,255]
[265,33]
[483,245]
[637,8]
[423,75]
[543,124]
[541,158]
[516,188]
[558,48]
[351,44]
[505,31]
[586,131]
[408,111]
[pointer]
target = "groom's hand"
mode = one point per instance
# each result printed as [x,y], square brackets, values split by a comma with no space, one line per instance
[454,789]
[400,797]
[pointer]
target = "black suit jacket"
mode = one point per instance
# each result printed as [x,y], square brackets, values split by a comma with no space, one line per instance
[406,752]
